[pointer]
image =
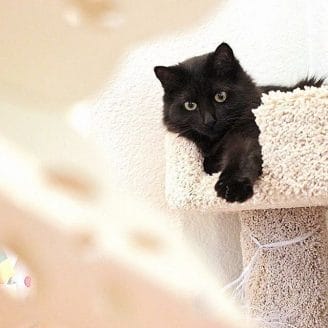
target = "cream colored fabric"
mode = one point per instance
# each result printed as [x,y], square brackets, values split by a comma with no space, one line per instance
[285,250]
[294,139]
[288,285]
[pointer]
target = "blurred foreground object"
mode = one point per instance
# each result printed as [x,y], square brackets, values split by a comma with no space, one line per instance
[54,53]
[96,260]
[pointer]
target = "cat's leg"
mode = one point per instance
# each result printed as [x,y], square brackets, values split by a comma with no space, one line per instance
[241,167]
[212,158]
[212,164]
[210,151]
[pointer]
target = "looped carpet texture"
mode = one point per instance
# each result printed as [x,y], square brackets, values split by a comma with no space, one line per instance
[294,140]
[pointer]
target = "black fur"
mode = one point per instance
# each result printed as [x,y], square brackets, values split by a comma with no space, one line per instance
[312,81]
[226,132]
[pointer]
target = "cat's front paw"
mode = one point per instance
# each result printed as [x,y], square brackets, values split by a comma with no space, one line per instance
[233,189]
[211,165]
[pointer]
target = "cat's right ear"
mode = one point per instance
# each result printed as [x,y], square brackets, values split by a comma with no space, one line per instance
[168,76]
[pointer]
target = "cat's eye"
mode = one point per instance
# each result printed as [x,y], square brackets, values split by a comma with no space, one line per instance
[220,97]
[189,105]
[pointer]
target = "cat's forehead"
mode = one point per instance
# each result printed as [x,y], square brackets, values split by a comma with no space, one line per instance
[200,79]
[199,71]
[195,66]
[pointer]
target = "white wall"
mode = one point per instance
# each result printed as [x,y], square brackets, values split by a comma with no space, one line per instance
[318,36]
[277,41]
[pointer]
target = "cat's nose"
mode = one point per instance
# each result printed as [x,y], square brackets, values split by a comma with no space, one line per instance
[209,120]
[210,124]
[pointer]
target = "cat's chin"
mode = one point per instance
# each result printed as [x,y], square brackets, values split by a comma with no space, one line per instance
[211,133]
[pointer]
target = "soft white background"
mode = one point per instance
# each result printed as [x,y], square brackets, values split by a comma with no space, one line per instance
[277,41]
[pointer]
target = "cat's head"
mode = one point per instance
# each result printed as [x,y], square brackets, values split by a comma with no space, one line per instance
[206,94]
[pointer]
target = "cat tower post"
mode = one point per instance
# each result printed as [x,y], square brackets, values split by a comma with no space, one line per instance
[283,230]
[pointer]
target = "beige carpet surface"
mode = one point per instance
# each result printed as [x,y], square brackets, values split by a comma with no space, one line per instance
[294,139]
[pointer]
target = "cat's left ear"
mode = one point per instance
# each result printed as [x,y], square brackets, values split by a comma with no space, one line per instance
[224,58]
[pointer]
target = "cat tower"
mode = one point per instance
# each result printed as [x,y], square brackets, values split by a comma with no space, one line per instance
[283,226]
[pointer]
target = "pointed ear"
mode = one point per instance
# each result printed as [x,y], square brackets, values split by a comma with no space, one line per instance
[169,76]
[224,58]
[224,51]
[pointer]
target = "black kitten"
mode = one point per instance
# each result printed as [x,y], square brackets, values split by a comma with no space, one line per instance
[209,100]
